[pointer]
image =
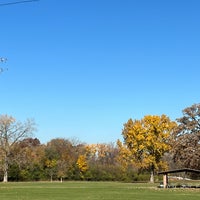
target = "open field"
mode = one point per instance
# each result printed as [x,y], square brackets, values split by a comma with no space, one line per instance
[92,191]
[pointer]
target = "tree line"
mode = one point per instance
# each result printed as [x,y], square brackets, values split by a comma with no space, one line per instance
[149,145]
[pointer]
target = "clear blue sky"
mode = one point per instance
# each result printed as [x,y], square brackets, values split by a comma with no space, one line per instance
[82,68]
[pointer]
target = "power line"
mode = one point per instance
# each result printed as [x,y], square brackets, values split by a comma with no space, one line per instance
[16,2]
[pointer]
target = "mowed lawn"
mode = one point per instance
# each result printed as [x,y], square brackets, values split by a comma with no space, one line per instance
[93,191]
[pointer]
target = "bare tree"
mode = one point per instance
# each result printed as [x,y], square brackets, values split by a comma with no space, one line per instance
[12,131]
[186,145]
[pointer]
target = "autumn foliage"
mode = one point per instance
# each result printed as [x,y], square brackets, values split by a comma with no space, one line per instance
[146,141]
[149,145]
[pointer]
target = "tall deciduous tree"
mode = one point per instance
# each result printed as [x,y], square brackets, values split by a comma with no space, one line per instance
[11,131]
[147,140]
[27,156]
[66,153]
[82,165]
[186,146]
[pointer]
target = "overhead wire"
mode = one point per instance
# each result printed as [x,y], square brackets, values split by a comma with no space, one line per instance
[17,2]
[7,4]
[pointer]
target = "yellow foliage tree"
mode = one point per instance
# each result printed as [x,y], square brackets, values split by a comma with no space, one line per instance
[82,164]
[147,140]
[91,150]
[124,157]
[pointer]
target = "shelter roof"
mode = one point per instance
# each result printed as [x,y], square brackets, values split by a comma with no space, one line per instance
[180,170]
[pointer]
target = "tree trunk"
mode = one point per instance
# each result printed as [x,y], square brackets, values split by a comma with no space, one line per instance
[5,170]
[5,177]
[152,176]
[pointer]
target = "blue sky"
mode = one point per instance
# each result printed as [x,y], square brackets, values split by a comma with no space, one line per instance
[81,69]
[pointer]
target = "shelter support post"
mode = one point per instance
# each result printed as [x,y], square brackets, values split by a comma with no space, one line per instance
[165,180]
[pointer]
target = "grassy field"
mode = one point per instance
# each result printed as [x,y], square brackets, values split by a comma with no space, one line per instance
[92,191]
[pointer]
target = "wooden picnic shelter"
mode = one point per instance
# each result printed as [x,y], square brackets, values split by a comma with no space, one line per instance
[165,174]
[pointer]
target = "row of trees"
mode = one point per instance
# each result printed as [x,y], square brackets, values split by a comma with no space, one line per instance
[149,145]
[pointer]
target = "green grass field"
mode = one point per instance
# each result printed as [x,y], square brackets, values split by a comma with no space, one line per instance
[92,191]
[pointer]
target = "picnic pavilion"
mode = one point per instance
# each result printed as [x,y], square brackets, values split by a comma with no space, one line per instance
[165,174]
